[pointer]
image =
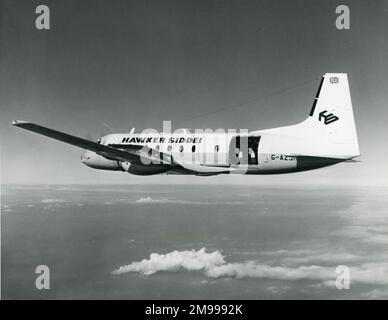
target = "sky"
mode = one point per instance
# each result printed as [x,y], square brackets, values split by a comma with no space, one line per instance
[124,64]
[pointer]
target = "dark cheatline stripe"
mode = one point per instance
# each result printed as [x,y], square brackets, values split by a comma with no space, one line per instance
[320,87]
[316,97]
[313,107]
[309,163]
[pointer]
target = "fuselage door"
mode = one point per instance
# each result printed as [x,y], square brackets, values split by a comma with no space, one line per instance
[244,150]
[253,149]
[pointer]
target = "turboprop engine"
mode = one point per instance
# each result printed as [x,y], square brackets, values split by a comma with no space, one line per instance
[93,160]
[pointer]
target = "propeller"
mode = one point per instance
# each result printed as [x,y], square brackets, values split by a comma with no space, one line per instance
[105,129]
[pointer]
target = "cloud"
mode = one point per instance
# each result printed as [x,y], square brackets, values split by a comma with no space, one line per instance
[53,201]
[251,269]
[173,261]
[214,265]
[52,204]
[371,273]
[152,200]
[376,294]
[305,256]
[366,222]
[276,290]
[5,209]
[338,258]
[376,234]
[286,252]
[149,199]
[146,200]
[378,238]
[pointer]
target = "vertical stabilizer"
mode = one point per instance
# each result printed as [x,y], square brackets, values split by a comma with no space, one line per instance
[329,129]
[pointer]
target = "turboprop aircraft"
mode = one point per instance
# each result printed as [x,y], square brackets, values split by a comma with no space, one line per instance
[328,136]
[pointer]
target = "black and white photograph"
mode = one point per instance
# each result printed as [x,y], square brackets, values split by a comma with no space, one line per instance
[194,150]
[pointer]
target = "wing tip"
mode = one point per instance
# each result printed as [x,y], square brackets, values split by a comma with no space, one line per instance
[19,122]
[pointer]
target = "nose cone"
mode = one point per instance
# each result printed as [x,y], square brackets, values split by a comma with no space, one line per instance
[86,157]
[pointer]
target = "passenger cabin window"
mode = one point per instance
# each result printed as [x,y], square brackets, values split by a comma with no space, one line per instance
[181,148]
[193,149]
[216,148]
[169,148]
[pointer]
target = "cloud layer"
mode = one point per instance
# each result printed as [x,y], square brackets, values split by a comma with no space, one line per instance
[152,200]
[173,261]
[214,265]
[53,201]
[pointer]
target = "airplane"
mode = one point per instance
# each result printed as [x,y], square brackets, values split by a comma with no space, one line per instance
[326,137]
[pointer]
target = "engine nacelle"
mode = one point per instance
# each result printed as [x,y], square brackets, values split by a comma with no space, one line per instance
[143,170]
[95,161]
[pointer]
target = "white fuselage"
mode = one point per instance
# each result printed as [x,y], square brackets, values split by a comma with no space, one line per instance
[206,153]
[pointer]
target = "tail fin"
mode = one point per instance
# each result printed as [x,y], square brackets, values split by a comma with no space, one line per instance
[332,114]
[329,129]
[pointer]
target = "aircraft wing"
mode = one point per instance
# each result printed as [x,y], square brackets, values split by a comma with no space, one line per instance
[133,153]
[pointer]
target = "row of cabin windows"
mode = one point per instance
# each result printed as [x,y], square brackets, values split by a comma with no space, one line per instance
[216,149]
[181,148]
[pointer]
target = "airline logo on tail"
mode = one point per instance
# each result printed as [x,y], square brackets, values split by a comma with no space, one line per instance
[334,80]
[328,118]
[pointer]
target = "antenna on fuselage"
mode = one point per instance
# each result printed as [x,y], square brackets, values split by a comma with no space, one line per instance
[248,102]
[132,131]
[105,129]
[183,130]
